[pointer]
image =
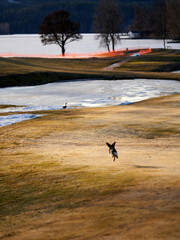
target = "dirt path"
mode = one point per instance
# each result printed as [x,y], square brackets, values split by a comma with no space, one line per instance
[117,64]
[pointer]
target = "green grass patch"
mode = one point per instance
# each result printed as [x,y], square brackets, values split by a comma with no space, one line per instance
[141,66]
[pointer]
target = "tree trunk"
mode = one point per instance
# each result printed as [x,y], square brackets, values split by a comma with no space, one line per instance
[63,50]
[113,43]
[108,47]
[164,41]
[164,35]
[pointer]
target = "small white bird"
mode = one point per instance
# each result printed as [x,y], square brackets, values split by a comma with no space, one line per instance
[112,150]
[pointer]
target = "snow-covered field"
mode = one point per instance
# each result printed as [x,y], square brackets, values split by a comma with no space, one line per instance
[31,45]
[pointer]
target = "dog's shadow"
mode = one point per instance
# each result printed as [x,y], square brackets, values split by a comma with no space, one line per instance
[152,167]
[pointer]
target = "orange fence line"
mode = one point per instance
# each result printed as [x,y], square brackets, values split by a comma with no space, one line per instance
[120,52]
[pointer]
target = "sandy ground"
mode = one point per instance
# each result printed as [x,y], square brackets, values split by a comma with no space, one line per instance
[147,140]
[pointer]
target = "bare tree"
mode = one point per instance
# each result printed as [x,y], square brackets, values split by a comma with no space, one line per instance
[138,22]
[105,40]
[161,21]
[143,21]
[107,20]
[173,18]
[57,28]
[160,16]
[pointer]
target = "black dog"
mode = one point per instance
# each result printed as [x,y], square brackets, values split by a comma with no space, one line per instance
[112,150]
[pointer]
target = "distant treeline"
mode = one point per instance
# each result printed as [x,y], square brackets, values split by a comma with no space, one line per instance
[27,15]
[162,20]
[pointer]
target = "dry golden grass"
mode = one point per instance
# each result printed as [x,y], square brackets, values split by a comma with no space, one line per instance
[25,65]
[36,71]
[58,181]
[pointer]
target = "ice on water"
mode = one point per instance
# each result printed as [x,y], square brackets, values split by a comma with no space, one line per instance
[81,93]
[31,44]
[11,119]
[84,93]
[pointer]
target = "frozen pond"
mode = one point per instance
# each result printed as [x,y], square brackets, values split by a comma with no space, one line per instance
[11,119]
[85,93]
[31,44]
[80,93]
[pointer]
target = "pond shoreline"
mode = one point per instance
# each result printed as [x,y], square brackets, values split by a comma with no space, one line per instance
[158,64]
[81,94]
[40,78]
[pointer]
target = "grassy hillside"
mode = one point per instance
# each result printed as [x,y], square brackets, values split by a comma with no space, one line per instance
[58,181]
[35,71]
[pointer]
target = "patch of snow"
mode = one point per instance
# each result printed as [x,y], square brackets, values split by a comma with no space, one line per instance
[135,55]
[11,119]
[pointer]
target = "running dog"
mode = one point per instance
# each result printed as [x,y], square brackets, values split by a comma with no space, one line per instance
[112,150]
